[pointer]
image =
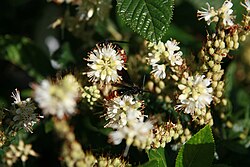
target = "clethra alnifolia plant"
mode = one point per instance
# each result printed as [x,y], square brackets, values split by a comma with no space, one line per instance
[94,108]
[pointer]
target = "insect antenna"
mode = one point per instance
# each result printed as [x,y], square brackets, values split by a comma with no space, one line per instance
[108,40]
[143,84]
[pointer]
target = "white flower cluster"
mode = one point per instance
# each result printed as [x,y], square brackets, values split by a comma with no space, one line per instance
[25,117]
[196,94]
[124,114]
[105,61]
[211,15]
[161,55]
[58,98]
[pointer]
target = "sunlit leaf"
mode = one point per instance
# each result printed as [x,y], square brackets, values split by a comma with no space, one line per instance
[197,151]
[149,18]
[157,155]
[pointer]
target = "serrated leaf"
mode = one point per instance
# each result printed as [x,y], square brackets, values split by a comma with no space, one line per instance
[149,18]
[197,151]
[158,155]
[21,52]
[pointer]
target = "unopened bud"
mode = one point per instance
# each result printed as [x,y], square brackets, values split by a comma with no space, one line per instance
[236,45]
[243,38]
[216,44]
[211,63]
[211,51]
[219,94]
[222,45]
[209,43]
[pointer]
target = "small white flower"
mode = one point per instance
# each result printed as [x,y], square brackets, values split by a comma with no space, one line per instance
[175,59]
[227,18]
[174,55]
[16,96]
[59,98]
[25,117]
[156,52]
[227,5]
[121,110]
[226,13]
[196,95]
[172,46]
[187,104]
[104,63]
[116,137]
[125,117]
[138,132]
[207,14]
[246,5]
[159,71]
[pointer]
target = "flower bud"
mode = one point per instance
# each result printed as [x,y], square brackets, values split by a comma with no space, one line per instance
[211,51]
[236,45]
[211,63]
[216,44]
[222,45]
[243,38]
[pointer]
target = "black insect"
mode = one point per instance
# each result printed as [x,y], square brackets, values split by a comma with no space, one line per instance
[127,87]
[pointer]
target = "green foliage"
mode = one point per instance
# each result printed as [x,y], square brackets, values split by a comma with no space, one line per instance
[80,31]
[64,55]
[230,77]
[150,163]
[156,158]
[49,125]
[21,52]
[149,18]
[197,151]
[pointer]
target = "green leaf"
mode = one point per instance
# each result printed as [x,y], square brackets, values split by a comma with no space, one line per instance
[49,125]
[149,18]
[229,79]
[197,151]
[64,55]
[178,33]
[243,98]
[150,163]
[21,52]
[157,155]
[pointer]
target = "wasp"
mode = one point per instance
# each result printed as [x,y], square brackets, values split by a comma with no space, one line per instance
[127,87]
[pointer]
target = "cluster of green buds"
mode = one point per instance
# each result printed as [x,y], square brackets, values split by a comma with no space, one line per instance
[73,155]
[114,162]
[2,138]
[91,94]
[203,118]
[165,133]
